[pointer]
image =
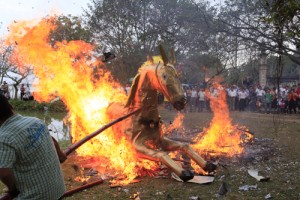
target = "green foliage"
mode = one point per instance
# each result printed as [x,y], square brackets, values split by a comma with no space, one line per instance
[57,106]
[272,25]
[27,105]
[69,28]
[282,11]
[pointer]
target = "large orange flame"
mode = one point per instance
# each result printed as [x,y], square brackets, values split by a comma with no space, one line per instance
[66,70]
[221,137]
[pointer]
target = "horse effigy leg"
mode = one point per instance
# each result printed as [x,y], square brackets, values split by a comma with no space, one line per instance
[163,157]
[172,145]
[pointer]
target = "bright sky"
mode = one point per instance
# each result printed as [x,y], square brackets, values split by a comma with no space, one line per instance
[11,10]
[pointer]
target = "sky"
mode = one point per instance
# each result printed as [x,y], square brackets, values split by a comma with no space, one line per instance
[11,10]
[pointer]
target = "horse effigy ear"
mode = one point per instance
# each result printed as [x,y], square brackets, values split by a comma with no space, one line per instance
[173,61]
[163,55]
[150,59]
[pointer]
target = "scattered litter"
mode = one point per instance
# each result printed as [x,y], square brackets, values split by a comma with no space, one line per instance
[194,198]
[224,188]
[268,196]
[247,187]
[197,179]
[254,174]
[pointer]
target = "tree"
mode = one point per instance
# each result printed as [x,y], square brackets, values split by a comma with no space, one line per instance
[133,29]
[285,17]
[16,76]
[11,69]
[5,52]
[269,24]
[69,28]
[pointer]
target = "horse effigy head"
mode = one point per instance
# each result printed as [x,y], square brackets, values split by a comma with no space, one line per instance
[169,83]
[157,73]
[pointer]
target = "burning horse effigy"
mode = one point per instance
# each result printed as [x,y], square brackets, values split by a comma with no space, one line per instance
[66,70]
[145,131]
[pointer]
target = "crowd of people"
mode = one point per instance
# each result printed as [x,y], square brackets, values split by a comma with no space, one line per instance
[25,93]
[253,98]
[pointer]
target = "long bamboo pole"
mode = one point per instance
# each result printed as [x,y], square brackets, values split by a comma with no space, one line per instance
[73,147]
[78,189]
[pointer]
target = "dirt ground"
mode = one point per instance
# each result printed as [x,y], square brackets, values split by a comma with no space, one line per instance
[275,153]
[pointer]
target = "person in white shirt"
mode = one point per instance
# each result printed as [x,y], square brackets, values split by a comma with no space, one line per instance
[201,98]
[232,94]
[260,93]
[243,94]
[193,99]
[260,96]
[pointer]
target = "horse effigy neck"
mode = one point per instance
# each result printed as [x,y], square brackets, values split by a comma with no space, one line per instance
[146,99]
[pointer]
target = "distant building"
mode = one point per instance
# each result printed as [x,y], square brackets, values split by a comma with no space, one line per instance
[287,80]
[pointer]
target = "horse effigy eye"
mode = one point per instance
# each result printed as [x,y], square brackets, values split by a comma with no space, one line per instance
[164,76]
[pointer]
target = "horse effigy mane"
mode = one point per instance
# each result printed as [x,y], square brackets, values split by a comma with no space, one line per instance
[154,61]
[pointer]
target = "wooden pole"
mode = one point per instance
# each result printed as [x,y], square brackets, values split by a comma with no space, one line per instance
[78,189]
[73,147]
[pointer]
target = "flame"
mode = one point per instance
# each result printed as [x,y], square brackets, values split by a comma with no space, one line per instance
[221,137]
[67,70]
[176,124]
[82,177]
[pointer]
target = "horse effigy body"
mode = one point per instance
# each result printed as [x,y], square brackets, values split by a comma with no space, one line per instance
[145,131]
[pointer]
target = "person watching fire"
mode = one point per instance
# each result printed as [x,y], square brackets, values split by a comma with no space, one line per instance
[29,163]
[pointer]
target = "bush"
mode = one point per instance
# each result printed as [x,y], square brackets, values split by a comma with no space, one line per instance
[57,106]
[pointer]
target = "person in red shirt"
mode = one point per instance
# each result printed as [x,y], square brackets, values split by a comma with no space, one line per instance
[292,97]
[298,96]
[22,91]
